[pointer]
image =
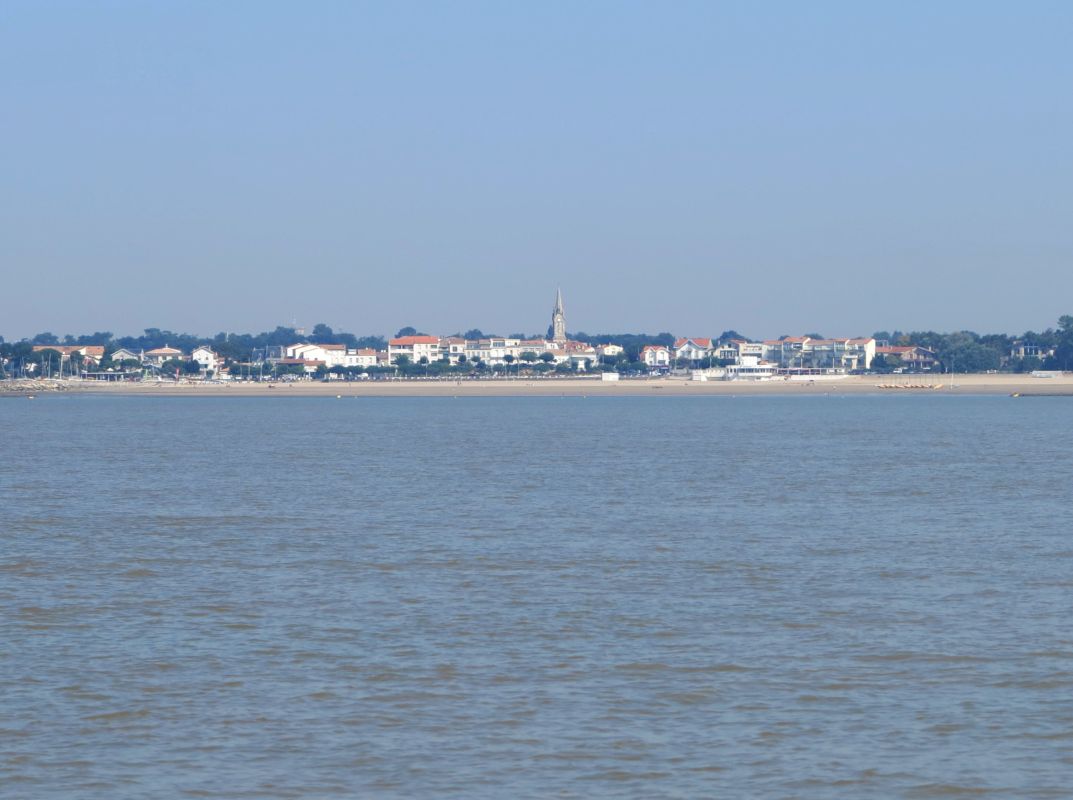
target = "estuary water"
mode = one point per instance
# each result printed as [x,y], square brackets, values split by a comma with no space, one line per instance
[536,597]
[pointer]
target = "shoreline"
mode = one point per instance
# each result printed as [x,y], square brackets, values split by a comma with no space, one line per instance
[879,385]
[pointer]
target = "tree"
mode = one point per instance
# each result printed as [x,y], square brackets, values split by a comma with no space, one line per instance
[547,357]
[528,356]
[1063,350]
[474,333]
[322,334]
[407,331]
[402,362]
[727,336]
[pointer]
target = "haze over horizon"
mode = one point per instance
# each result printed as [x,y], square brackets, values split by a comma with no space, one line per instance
[689,168]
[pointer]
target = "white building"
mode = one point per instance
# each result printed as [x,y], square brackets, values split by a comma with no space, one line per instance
[414,348]
[205,356]
[162,354]
[693,350]
[361,359]
[749,368]
[655,356]
[333,355]
[123,354]
[824,355]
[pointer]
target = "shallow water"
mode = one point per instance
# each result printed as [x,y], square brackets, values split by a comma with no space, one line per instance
[536,597]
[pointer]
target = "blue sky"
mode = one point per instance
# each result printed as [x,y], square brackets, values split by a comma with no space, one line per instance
[773,167]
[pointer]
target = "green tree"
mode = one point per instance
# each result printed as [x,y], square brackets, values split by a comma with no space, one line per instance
[1063,350]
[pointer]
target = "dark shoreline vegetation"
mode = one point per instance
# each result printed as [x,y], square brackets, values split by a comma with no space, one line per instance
[960,351]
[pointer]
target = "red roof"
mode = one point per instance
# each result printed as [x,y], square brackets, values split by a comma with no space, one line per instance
[698,342]
[409,341]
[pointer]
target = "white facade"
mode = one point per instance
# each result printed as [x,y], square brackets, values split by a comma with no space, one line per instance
[333,355]
[655,356]
[414,348]
[208,360]
[693,349]
[360,359]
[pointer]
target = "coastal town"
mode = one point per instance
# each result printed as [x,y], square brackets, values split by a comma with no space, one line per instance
[412,354]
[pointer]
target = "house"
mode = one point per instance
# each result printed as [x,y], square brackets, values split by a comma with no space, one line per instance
[609,350]
[454,347]
[656,356]
[123,354]
[361,359]
[693,350]
[1022,350]
[205,356]
[737,349]
[93,354]
[913,357]
[333,355]
[414,348]
[161,354]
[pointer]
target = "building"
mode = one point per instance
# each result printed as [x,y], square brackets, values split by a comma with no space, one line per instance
[123,354]
[656,356]
[558,319]
[912,357]
[693,350]
[414,348]
[92,354]
[206,358]
[803,353]
[362,359]
[161,354]
[1022,350]
[333,355]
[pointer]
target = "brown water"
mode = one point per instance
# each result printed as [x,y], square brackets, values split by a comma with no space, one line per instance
[518,597]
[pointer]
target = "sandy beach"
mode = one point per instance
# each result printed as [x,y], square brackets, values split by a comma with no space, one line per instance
[1023,385]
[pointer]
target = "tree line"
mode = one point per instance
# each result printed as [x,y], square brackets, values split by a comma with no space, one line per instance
[961,351]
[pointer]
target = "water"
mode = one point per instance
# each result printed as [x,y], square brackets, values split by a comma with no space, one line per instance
[515,597]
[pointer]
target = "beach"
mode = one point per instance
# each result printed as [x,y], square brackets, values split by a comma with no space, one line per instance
[997,384]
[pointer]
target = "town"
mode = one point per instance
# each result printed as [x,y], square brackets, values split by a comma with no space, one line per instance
[324,355]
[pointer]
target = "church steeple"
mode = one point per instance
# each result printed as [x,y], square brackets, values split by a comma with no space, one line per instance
[558,318]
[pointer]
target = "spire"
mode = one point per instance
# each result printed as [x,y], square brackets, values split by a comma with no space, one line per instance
[558,319]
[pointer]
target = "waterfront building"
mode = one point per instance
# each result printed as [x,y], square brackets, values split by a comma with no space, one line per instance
[414,348]
[159,355]
[205,356]
[913,357]
[92,353]
[806,353]
[693,350]
[123,354]
[656,356]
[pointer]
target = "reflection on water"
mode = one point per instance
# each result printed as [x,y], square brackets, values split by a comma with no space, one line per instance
[676,597]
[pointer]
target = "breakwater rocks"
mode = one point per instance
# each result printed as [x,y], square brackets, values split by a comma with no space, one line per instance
[30,387]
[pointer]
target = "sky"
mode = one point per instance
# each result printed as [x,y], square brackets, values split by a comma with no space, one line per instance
[770,167]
